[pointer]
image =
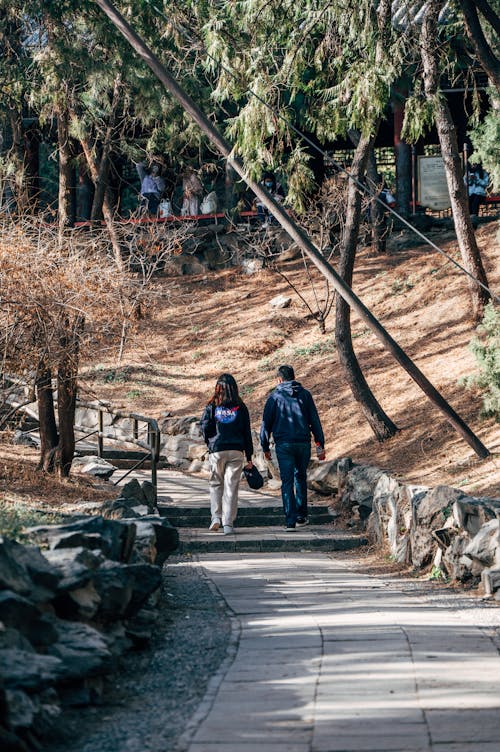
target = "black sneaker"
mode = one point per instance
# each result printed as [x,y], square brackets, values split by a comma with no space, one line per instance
[290,527]
[302,521]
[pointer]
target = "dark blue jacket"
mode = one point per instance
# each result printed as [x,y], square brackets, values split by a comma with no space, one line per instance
[227,428]
[290,415]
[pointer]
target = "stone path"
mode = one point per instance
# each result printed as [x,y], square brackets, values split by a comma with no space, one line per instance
[324,659]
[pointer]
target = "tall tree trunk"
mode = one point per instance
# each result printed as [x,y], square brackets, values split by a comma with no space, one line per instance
[101,179]
[49,438]
[380,423]
[67,374]
[16,183]
[377,211]
[107,208]
[64,206]
[469,250]
[402,151]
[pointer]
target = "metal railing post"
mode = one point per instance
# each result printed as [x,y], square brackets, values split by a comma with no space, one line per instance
[100,437]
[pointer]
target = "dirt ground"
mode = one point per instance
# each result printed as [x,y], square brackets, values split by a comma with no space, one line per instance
[222,321]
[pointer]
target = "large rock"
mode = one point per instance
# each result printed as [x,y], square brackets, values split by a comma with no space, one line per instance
[19,613]
[491,581]
[189,425]
[430,513]
[97,467]
[322,477]
[390,521]
[485,543]
[112,538]
[360,487]
[75,565]
[30,671]
[13,574]
[471,513]
[82,650]
[44,576]
[124,588]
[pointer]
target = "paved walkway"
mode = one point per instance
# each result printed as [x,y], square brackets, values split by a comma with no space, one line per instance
[325,659]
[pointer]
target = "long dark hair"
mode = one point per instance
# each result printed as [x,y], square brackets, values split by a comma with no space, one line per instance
[226,392]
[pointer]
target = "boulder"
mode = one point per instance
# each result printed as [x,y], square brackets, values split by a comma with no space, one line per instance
[485,544]
[291,253]
[429,513]
[78,603]
[13,574]
[25,438]
[41,572]
[21,709]
[280,301]
[82,650]
[110,537]
[114,586]
[21,614]
[252,265]
[171,426]
[97,467]
[359,488]
[27,670]
[490,579]
[457,565]
[75,565]
[124,588]
[390,521]
[322,477]
[471,513]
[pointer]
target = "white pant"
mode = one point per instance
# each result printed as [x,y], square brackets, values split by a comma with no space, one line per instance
[225,475]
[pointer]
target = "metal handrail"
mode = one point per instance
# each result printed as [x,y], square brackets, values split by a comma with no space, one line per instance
[152,444]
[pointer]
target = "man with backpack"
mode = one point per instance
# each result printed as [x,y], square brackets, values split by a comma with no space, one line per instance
[290,416]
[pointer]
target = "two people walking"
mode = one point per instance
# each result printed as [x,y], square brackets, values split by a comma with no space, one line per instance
[290,416]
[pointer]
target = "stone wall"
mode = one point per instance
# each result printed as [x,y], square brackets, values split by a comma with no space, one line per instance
[442,528]
[71,605]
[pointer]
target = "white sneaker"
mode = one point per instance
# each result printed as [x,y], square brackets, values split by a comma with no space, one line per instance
[214,526]
[228,530]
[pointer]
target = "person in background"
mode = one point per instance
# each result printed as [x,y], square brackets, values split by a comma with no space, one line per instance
[276,191]
[192,191]
[225,426]
[477,185]
[290,416]
[152,186]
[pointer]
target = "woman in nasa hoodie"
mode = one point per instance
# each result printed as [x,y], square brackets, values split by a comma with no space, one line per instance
[225,425]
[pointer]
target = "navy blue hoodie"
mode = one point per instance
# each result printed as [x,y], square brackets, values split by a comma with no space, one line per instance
[290,415]
[227,428]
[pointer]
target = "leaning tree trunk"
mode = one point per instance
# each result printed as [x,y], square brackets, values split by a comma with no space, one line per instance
[64,209]
[471,258]
[46,416]
[66,397]
[484,52]
[380,423]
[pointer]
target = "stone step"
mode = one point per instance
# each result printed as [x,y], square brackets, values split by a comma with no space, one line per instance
[257,516]
[248,540]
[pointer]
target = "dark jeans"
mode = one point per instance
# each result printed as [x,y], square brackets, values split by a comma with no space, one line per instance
[293,459]
[152,202]
[475,201]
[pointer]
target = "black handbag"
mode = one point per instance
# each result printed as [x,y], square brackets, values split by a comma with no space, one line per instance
[253,478]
